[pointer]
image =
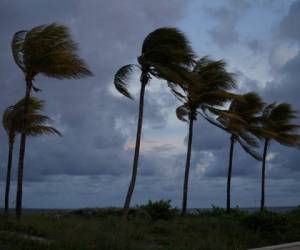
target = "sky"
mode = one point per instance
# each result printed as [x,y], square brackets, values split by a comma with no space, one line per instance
[90,166]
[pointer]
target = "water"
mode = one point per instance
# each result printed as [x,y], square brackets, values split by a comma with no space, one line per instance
[190,210]
[250,209]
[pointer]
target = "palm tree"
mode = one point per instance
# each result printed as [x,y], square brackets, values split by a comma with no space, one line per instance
[12,123]
[209,90]
[48,50]
[242,122]
[165,54]
[277,120]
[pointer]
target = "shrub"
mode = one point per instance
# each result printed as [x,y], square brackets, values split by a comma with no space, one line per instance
[159,210]
[267,222]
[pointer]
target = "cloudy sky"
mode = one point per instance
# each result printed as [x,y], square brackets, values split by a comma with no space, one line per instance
[91,164]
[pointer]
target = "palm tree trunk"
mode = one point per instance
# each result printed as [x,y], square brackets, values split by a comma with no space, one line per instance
[187,166]
[144,81]
[232,141]
[8,174]
[263,173]
[22,150]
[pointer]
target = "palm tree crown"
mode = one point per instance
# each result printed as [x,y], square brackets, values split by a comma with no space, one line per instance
[37,124]
[165,53]
[242,120]
[209,87]
[205,86]
[277,119]
[49,50]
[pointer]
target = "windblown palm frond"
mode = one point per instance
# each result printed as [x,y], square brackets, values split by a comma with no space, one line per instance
[49,50]
[167,46]
[121,78]
[38,130]
[209,85]
[36,122]
[242,120]
[18,49]
[166,54]
[277,120]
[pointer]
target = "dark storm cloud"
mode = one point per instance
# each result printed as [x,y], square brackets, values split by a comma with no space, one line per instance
[225,32]
[95,123]
[90,165]
[289,27]
[283,161]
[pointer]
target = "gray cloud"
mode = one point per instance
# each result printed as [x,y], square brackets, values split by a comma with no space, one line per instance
[88,166]
[95,123]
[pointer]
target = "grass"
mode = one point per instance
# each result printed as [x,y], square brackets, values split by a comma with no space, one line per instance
[104,230]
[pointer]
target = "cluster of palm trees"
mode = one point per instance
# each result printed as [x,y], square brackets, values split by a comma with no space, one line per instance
[48,50]
[201,85]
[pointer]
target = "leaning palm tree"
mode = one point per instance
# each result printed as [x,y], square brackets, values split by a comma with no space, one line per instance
[277,120]
[13,124]
[209,90]
[165,54]
[242,122]
[48,50]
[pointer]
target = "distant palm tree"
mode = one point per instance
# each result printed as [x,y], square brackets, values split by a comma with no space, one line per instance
[165,54]
[13,124]
[242,121]
[277,120]
[209,89]
[48,50]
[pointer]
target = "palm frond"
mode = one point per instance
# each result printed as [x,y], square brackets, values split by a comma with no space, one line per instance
[277,121]
[38,130]
[50,50]
[249,150]
[182,113]
[168,44]
[121,78]
[13,119]
[7,119]
[17,47]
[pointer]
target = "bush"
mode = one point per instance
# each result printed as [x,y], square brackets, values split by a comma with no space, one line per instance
[220,212]
[159,210]
[267,222]
[96,212]
[295,213]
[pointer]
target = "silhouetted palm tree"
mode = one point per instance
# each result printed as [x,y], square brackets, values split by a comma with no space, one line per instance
[277,120]
[209,88]
[165,54]
[242,121]
[13,124]
[48,50]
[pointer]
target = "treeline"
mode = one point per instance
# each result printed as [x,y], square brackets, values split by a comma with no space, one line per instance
[203,86]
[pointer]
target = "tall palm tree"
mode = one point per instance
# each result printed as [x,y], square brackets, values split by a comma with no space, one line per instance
[242,122]
[209,90]
[13,124]
[277,120]
[48,50]
[165,54]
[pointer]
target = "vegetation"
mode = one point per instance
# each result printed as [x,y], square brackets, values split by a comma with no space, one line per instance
[166,54]
[277,121]
[12,122]
[48,50]
[242,122]
[205,230]
[203,87]
[207,90]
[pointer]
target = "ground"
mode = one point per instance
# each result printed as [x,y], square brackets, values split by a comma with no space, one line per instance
[105,229]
